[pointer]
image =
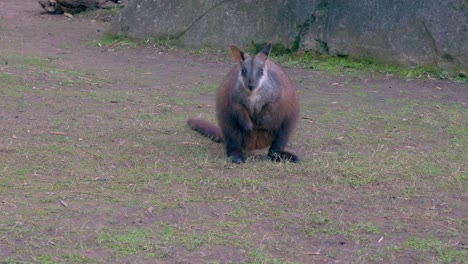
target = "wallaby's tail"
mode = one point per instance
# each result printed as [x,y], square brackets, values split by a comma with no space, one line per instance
[206,128]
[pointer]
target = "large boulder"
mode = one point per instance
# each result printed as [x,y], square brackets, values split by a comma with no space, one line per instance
[214,23]
[429,32]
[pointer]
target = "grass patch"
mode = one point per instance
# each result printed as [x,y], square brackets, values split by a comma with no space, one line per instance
[154,241]
[128,181]
[354,66]
[338,65]
[11,86]
[112,40]
[445,253]
[115,40]
[32,68]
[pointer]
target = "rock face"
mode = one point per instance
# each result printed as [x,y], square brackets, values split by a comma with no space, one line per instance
[215,23]
[410,32]
[431,32]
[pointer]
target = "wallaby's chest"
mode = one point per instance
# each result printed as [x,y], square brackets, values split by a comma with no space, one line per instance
[254,102]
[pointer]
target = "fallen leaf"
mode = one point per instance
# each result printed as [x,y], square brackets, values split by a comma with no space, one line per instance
[60,133]
[164,105]
[190,143]
[68,15]
[63,203]
[313,253]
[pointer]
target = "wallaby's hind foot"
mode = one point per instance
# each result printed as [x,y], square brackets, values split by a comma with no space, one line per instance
[279,156]
[237,157]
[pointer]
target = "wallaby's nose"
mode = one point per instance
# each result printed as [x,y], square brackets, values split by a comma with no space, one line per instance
[250,85]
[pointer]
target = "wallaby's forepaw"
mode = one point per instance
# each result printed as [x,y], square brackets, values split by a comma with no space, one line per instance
[279,156]
[263,121]
[247,126]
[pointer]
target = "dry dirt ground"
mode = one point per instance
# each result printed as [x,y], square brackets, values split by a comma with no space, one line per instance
[97,164]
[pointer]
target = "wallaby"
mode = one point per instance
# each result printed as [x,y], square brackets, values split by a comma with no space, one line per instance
[256,107]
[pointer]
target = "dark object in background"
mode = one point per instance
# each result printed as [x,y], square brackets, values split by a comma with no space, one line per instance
[73,6]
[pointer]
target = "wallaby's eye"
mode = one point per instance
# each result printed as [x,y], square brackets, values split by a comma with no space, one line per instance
[260,71]
[243,72]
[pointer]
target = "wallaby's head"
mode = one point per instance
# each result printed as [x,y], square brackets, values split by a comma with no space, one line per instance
[253,71]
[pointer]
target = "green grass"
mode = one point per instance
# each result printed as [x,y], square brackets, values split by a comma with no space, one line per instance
[36,68]
[355,66]
[112,40]
[140,186]
[203,89]
[11,86]
[115,40]
[431,244]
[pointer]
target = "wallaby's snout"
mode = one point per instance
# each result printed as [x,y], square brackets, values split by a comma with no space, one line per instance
[250,85]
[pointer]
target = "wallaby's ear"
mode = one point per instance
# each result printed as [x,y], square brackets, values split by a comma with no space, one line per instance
[263,55]
[267,49]
[237,54]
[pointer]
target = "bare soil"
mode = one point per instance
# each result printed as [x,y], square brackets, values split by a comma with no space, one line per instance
[327,211]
